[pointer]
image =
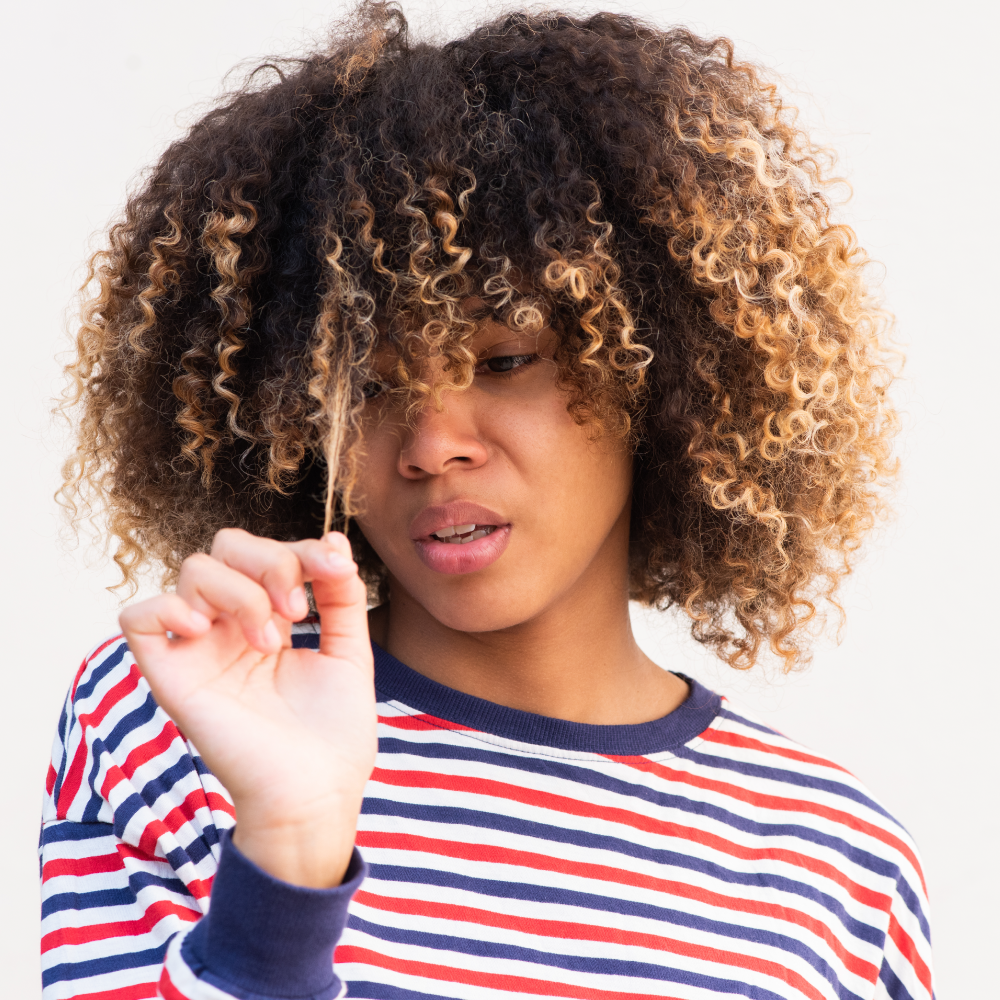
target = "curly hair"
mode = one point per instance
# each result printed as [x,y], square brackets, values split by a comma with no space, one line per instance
[649,196]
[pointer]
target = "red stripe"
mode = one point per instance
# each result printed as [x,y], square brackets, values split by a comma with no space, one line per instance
[219,803]
[908,950]
[490,980]
[150,836]
[186,811]
[120,928]
[114,695]
[730,739]
[151,748]
[777,802]
[167,989]
[50,780]
[72,781]
[112,779]
[422,722]
[99,864]
[589,932]
[604,873]
[138,991]
[638,821]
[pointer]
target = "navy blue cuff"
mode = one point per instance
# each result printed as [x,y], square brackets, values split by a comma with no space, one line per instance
[265,939]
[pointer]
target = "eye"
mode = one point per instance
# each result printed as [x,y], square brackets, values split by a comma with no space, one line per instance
[505,364]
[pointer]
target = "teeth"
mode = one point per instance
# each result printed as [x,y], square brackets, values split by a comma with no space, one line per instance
[459,534]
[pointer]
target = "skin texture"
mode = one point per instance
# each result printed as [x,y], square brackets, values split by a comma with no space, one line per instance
[544,628]
[552,611]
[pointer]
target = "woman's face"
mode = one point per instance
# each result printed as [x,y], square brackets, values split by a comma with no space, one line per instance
[489,509]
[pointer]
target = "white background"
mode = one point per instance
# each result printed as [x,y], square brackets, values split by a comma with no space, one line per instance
[91,91]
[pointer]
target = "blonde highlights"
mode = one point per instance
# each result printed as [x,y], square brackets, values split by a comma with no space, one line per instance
[639,190]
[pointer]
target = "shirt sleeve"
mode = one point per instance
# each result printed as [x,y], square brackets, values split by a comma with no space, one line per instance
[143,892]
[906,972]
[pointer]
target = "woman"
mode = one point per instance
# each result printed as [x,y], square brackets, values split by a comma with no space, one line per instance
[547,318]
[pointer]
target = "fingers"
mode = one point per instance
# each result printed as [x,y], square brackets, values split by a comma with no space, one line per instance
[342,602]
[282,568]
[259,582]
[213,588]
[269,563]
[146,624]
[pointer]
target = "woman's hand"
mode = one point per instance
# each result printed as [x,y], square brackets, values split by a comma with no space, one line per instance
[289,732]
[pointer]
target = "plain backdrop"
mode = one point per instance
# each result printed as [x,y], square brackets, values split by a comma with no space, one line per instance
[91,92]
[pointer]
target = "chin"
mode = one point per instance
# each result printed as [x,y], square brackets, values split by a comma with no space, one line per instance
[468,604]
[480,622]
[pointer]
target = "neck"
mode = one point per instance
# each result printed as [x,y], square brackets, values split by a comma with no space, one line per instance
[576,660]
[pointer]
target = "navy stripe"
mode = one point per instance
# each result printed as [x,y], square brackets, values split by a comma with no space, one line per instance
[383,991]
[143,880]
[62,830]
[727,713]
[98,673]
[905,892]
[197,850]
[167,778]
[86,900]
[102,966]
[529,893]
[136,718]
[573,963]
[126,809]
[63,719]
[93,808]
[892,983]
[66,727]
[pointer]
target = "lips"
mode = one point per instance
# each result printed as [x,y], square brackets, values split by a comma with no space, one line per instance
[459,537]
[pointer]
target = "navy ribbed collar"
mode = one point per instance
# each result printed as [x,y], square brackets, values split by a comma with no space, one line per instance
[396,681]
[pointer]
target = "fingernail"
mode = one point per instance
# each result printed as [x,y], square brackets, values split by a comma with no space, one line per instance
[272,636]
[298,603]
[336,561]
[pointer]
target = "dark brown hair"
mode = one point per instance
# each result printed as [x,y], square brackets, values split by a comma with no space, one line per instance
[649,195]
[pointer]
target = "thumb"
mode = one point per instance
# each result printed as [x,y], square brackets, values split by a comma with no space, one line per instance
[342,602]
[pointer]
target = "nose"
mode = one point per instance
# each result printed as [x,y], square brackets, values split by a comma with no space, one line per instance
[442,438]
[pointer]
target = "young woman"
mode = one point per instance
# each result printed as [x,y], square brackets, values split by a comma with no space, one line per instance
[546,318]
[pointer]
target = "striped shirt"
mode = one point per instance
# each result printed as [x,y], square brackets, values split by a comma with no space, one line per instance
[505,853]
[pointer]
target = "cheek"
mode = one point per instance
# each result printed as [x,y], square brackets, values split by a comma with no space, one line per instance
[578,480]
[376,486]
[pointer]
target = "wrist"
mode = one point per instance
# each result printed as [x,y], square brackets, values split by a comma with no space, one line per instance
[313,853]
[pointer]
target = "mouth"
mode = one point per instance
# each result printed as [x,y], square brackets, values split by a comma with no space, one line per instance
[462,534]
[459,537]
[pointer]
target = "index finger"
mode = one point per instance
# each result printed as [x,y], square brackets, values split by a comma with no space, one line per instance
[281,568]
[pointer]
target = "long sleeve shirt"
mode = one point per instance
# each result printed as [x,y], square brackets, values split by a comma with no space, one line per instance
[498,853]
